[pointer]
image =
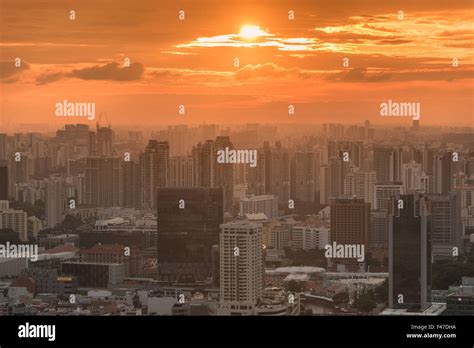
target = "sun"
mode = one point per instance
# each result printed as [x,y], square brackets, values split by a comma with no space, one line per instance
[250,32]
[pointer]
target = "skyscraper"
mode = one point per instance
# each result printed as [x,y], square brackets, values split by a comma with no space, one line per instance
[55,201]
[102,181]
[266,204]
[154,164]
[223,172]
[409,252]
[303,176]
[92,144]
[131,188]
[280,174]
[443,174]
[444,218]
[179,139]
[256,175]
[209,173]
[3,180]
[3,146]
[324,184]
[337,170]
[361,184]
[181,171]
[241,267]
[353,149]
[428,160]
[188,226]
[413,178]
[350,221]
[378,234]
[396,158]
[203,164]
[21,168]
[14,220]
[385,192]
[104,141]
[387,164]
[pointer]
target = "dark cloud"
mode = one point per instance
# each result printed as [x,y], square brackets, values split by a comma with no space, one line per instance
[165,74]
[48,77]
[362,75]
[359,75]
[111,71]
[445,75]
[9,72]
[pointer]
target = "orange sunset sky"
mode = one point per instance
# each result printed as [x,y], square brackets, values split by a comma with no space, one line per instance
[191,62]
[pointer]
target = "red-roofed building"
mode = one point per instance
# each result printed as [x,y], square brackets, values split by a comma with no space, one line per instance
[62,249]
[25,282]
[115,253]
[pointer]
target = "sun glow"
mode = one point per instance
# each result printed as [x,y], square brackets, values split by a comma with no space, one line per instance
[250,32]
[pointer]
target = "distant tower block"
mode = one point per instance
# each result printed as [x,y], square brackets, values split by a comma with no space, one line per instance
[416,124]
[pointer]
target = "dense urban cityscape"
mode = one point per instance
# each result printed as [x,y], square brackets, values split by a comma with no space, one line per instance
[330,219]
[239,171]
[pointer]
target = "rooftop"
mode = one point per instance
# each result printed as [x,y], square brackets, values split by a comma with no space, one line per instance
[433,310]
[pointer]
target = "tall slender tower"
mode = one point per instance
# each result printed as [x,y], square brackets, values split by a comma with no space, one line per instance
[154,163]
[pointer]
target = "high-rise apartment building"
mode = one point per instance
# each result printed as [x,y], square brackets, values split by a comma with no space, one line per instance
[102,187]
[354,151]
[154,165]
[55,201]
[324,184]
[241,267]
[3,147]
[337,171]
[387,164]
[104,141]
[131,186]
[302,176]
[203,164]
[280,174]
[223,172]
[181,171]
[208,172]
[385,192]
[361,184]
[266,204]
[14,220]
[443,173]
[413,178]
[256,175]
[445,220]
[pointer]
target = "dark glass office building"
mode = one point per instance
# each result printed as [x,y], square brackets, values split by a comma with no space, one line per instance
[188,226]
[3,181]
[410,253]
